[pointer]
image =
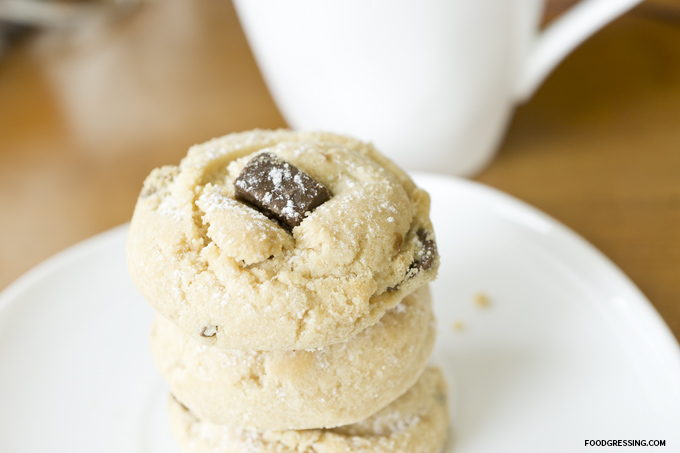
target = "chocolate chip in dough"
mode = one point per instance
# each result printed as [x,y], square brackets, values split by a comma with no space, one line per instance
[429,250]
[424,260]
[279,190]
[209,331]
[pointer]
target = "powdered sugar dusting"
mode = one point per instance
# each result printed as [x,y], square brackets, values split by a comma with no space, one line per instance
[168,208]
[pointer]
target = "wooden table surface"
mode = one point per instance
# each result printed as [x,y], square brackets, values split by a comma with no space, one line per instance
[86,114]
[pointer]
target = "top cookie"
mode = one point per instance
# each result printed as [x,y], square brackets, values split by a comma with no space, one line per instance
[279,240]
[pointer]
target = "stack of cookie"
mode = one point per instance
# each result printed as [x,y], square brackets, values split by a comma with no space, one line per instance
[290,272]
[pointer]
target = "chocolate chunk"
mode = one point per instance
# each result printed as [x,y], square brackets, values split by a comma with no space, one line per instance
[279,190]
[429,250]
[424,260]
[427,254]
[209,331]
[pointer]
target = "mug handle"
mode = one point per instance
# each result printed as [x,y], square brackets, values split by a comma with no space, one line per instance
[563,36]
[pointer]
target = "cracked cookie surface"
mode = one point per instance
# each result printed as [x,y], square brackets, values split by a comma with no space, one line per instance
[336,385]
[232,277]
[417,422]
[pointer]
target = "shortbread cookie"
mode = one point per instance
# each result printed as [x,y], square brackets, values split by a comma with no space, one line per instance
[336,385]
[280,240]
[415,423]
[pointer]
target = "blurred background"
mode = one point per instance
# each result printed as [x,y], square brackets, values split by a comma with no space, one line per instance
[95,95]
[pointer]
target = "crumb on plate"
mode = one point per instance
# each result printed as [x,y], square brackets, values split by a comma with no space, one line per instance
[482,300]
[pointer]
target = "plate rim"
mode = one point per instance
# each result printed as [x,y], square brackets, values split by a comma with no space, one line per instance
[559,231]
[57,261]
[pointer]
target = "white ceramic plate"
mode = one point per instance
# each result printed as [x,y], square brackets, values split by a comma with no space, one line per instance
[568,349]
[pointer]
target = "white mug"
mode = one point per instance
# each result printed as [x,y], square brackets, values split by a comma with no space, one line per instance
[432,83]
